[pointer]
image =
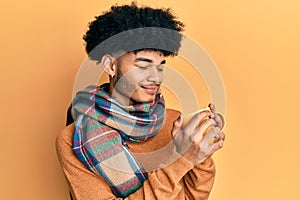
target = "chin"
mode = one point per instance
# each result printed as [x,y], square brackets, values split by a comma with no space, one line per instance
[143,99]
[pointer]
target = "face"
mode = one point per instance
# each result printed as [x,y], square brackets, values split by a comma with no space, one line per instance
[138,77]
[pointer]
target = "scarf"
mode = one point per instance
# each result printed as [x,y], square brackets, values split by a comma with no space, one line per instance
[102,127]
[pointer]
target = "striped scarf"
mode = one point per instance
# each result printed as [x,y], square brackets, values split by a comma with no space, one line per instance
[102,127]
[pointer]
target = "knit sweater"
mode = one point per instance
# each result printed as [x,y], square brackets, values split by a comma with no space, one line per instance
[178,180]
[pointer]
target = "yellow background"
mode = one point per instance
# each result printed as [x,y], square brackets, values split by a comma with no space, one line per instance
[255,45]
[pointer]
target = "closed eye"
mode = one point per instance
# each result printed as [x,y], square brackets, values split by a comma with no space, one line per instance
[142,66]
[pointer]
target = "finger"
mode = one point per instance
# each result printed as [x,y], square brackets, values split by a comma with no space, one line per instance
[216,146]
[199,118]
[187,118]
[221,136]
[213,109]
[217,138]
[220,121]
[202,128]
[213,148]
[177,125]
[212,136]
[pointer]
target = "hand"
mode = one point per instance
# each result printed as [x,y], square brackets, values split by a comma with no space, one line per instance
[217,116]
[189,140]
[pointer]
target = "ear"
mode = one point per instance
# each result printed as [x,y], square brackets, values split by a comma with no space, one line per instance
[108,65]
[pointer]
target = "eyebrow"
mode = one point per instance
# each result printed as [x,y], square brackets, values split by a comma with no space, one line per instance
[148,60]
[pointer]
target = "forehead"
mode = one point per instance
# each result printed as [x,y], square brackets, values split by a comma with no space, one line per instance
[155,57]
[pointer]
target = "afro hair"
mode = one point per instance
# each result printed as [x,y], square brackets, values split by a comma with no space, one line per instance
[154,29]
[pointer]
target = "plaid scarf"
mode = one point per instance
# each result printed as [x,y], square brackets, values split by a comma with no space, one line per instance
[102,128]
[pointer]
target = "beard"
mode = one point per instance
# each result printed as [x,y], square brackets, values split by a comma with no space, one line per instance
[123,86]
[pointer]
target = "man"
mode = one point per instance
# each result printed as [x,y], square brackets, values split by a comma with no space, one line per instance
[124,143]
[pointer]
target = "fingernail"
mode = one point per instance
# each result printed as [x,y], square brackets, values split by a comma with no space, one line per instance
[180,117]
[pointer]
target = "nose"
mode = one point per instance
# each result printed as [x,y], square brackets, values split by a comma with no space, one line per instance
[155,75]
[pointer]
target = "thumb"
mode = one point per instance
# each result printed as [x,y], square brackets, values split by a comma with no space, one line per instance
[177,125]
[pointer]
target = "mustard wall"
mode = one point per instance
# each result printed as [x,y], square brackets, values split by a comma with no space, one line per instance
[255,45]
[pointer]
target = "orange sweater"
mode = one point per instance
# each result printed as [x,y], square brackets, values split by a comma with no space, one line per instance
[178,180]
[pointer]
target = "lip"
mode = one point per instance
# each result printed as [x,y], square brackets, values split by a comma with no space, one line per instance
[150,89]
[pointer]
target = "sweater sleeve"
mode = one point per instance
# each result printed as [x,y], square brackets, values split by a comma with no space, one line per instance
[198,182]
[165,183]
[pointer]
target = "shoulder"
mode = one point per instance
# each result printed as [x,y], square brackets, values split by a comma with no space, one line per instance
[64,138]
[170,116]
[172,113]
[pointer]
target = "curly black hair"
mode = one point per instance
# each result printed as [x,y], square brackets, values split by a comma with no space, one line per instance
[153,29]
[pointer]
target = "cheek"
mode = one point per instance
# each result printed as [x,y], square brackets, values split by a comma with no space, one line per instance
[136,77]
[161,76]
